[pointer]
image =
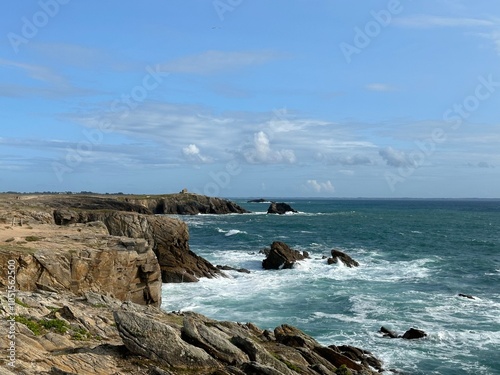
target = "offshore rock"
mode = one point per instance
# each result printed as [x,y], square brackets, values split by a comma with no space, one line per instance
[343,257]
[413,334]
[280,208]
[281,256]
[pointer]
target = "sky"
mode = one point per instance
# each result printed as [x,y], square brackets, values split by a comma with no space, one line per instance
[251,98]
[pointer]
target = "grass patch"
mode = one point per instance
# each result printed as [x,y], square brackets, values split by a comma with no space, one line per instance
[21,303]
[10,239]
[33,325]
[41,326]
[81,334]
[9,248]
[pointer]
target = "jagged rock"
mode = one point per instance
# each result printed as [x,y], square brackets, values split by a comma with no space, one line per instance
[413,334]
[281,256]
[168,237]
[160,342]
[216,343]
[343,257]
[104,264]
[280,208]
[388,333]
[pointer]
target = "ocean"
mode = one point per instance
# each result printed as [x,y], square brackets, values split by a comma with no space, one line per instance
[415,257]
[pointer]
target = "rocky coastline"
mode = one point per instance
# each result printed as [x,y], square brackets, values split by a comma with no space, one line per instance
[87,272]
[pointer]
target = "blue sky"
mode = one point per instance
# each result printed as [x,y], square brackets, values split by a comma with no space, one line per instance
[233,98]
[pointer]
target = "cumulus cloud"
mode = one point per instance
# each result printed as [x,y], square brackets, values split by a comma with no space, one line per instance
[395,158]
[320,187]
[261,152]
[192,152]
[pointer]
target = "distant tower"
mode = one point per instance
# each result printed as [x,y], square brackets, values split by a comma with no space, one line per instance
[184,191]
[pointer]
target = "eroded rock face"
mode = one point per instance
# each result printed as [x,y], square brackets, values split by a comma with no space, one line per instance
[281,256]
[123,267]
[168,237]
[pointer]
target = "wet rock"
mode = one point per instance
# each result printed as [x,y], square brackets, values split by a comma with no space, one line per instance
[413,334]
[388,333]
[280,208]
[466,296]
[343,257]
[281,256]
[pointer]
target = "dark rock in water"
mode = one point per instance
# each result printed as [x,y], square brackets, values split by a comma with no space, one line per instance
[279,208]
[343,257]
[260,200]
[228,268]
[281,256]
[466,296]
[413,334]
[388,333]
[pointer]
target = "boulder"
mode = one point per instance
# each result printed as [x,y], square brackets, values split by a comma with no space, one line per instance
[343,257]
[229,268]
[281,256]
[280,208]
[413,334]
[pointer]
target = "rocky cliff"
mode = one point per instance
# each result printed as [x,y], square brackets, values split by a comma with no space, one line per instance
[81,259]
[186,204]
[168,237]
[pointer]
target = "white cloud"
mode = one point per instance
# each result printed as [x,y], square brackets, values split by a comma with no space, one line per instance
[430,21]
[395,158]
[261,152]
[218,61]
[192,152]
[320,187]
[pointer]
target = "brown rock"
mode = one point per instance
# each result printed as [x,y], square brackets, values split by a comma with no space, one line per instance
[281,256]
[343,257]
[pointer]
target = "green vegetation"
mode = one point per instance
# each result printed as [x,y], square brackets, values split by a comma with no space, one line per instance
[81,334]
[33,325]
[293,367]
[343,370]
[20,303]
[41,326]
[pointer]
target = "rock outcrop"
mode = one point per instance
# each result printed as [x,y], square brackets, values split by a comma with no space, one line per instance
[281,256]
[280,208]
[186,204]
[83,260]
[168,237]
[59,333]
[413,334]
[343,257]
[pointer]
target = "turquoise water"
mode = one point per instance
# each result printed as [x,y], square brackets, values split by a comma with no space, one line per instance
[415,257]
